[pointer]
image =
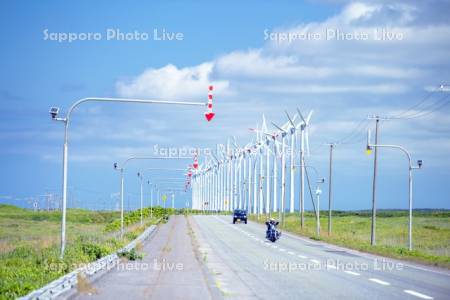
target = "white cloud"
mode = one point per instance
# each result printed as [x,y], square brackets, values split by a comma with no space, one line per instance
[357,11]
[343,80]
[170,82]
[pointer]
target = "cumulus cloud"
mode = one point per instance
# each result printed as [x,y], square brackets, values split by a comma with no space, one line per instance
[170,82]
[344,79]
[386,64]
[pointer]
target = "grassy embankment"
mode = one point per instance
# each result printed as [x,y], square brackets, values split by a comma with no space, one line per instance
[431,233]
[29,243]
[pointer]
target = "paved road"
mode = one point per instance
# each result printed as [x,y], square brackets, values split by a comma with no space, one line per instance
[177,274]
[222,260]
[250,267]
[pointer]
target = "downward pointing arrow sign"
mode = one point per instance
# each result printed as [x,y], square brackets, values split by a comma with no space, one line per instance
[209,116]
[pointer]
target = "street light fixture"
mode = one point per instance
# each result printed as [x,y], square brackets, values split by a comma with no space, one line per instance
[410,168]
[54,111]
[141,178]
[122,169]
[318,193]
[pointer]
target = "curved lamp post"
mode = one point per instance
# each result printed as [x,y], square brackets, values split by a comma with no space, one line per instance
[54,111]
[122,169]
[410,167]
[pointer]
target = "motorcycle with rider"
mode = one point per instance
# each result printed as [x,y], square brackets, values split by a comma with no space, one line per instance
[272,234]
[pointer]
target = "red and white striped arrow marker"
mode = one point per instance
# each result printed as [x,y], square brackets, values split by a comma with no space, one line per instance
[195,165]
[209,113]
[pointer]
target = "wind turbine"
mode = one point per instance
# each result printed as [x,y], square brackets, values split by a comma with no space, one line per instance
[249,178]
[292,130]
[276,156]
[223,178]
[257,182]
[238,174]
[304,143]
[252,175]
[261,176]
[229,182]
[266,146]
[283,134]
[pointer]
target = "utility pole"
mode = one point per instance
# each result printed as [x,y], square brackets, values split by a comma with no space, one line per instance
[141,178]
[330,176]
[302,182]
[410,168]
[173,200]
[374,182]
[151,199]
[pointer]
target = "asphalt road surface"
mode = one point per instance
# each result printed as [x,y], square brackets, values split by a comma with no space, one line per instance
[220,260]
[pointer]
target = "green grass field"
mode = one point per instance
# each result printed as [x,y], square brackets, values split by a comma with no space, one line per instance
[29,243]
[431,233]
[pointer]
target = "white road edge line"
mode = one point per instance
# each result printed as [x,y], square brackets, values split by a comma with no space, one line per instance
[417,294]
[379,281]
[353,273]
[363,254]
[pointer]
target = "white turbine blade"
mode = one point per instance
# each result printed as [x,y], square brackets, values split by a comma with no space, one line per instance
[308,118]
[307,141]
[278,127]
[301,116]
[288,123]
[289,118]
[257,132]
[264,125]
[235,143]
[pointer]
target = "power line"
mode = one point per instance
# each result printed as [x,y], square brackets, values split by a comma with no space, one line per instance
[413,107]
[353,133]
[442,102]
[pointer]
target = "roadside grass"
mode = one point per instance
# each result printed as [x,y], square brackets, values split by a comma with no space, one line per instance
[29,243]
[431,233]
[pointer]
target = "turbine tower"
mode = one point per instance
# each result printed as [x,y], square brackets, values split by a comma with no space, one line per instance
[292,130]
[266,146]
[304,144]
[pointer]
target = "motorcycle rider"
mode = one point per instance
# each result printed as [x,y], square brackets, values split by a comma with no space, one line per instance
[270,223]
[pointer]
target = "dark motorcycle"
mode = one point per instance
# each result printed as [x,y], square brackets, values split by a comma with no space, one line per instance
[272,234]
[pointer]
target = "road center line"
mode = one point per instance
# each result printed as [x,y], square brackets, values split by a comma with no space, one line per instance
[352,273]
[379,281]
[417,294]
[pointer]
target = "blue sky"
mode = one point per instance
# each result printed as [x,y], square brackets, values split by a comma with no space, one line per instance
[223,43]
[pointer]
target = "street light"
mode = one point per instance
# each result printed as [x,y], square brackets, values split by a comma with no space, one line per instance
[410,168]
[318,193]
[54,111]
[122,169]
[320,180]
[151,198]
[152,184]
[141,178]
